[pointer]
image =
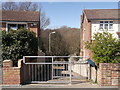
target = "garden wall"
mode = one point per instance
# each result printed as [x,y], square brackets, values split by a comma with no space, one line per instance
[12,75]
[23,73]
[108,74]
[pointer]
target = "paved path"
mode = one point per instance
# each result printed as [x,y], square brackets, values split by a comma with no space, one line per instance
[81,85]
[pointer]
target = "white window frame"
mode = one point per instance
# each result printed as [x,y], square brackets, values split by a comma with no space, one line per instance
[16,24]
[112,25]
[109,22]
[102,25]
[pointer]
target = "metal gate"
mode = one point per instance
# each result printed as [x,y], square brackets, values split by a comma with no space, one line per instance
[55,69]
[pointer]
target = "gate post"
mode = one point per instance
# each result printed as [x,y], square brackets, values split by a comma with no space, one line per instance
[70,72]
[52,68]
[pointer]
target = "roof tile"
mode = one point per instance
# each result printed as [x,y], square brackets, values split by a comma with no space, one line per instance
[102,13]
[28,16]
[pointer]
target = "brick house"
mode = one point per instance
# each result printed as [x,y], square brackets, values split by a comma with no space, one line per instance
[97,20]
[21,19]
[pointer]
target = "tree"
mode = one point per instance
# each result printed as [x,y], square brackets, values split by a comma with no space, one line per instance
[16,44]
[72,38]
[65,40]
[28,6]
[105,48]
[44,21]
[0,47]
[24,6]
[9,6]
[58,45]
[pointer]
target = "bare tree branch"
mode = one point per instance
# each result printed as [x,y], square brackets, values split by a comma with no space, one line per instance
[28,6]
[34,7]
[44,21]
[9,6]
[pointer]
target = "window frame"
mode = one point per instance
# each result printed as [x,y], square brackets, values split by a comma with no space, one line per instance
[108,23]
[7,24]
[10,26]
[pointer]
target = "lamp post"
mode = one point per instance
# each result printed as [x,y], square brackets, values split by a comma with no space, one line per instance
[50,40]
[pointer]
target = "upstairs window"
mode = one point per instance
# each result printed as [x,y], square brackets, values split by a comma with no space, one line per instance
[111,25]
[106,25]
[101,24]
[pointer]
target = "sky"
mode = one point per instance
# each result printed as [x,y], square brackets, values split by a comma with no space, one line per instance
[68,13]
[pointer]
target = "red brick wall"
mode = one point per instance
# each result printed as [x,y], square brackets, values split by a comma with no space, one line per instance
[34,28]
[3,26]
[12,75]
[109,74]
[86,30]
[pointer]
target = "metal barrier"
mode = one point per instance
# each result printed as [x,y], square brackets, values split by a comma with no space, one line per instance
[56,69]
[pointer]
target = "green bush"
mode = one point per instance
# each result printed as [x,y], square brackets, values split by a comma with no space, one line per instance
[19,43]
[105,48]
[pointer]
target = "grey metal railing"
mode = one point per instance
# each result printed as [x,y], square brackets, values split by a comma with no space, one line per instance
[49,69]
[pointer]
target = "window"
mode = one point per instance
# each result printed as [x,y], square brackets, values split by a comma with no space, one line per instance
[106,25]
[111,26]
[12,27]
[111,21]
[101,24]
[21,26]
[106,21]
[16,26]
[101,21]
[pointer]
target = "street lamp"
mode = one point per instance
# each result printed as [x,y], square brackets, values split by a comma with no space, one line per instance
[50,40]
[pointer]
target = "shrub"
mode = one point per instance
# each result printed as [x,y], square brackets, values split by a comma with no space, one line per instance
[105,48]
[16,44]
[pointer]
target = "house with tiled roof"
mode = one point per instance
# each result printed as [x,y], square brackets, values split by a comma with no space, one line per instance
[14,20]
[98,20]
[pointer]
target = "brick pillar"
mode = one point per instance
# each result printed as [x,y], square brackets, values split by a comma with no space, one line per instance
[11,75]
[109,74]
[7,63]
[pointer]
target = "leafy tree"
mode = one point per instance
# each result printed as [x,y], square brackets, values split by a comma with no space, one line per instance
[105,48]
[16,44]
